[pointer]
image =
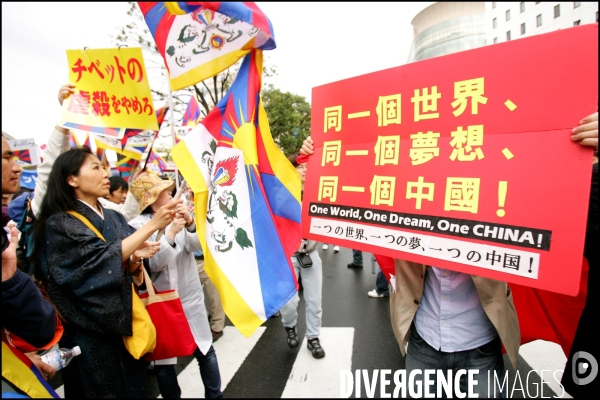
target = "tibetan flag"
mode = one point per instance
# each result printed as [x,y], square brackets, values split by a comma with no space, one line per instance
[192,113]
[200,39]
[125,166]
[73,142]
[247,202]
[135,141]
[24,156]
[155,159]
[19,370]
[107,143]
[87,142]
[98,130]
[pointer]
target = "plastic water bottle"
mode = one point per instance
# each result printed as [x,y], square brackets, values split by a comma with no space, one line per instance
[60,358]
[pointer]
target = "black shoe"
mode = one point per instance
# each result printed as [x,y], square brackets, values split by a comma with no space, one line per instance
[352,265]
[315,346]
[292,337]
[216,335]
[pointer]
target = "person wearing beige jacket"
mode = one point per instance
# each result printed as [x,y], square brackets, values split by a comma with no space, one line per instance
[471,343]
[450,321]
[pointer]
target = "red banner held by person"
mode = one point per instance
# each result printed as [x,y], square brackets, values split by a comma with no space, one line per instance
[463,161]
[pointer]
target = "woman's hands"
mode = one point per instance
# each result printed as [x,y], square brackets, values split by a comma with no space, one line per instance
[146,250]
[65,91]
[182,210]
[165,215]
[587,131]
[9,255]
[176,226]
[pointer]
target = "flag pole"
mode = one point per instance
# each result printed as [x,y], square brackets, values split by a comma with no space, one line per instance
[173,134]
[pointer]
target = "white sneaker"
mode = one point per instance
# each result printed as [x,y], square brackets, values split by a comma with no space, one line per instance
[325,247]
[373,293]
[336,249]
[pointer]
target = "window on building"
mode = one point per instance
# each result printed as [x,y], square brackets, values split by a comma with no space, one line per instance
[576,23]
[508,15]
[557,11]
[523,28]
[507,36]
[495,23]
[493,4]
[576,4]
[539,20]
[495,40]
[522,6]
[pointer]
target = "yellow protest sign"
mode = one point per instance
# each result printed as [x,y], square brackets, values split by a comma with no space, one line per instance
[111,92]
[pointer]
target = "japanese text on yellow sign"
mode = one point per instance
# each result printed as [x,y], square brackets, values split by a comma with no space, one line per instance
[111,89]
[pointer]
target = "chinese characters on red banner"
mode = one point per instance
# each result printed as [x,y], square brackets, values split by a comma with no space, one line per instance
[462,161]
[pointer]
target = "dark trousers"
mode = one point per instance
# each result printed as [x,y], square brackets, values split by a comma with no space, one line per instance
[166,376]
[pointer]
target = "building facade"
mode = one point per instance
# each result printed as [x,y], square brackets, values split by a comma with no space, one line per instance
[514,20]
[446,28]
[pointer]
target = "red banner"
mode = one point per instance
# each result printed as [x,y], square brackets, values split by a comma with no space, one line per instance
[463,162]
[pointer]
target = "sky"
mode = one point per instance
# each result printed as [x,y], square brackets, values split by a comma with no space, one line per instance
[317,43]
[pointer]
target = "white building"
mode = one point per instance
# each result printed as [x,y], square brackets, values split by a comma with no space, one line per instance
[446,28]
[515,20]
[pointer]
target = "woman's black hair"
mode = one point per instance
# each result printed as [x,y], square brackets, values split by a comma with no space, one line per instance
[60,196]
[116,183]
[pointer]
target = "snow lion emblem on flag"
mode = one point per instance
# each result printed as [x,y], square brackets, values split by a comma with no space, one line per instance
[222,208]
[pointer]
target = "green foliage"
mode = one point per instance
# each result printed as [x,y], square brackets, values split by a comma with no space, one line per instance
[289,118]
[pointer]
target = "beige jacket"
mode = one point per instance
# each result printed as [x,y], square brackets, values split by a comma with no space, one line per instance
[496,299]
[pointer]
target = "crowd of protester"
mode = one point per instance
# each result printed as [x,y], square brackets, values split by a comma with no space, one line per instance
[80,290]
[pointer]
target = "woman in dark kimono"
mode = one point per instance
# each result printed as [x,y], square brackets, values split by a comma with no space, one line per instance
[89,280]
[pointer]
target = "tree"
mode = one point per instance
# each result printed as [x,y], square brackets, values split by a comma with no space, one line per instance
[289,118]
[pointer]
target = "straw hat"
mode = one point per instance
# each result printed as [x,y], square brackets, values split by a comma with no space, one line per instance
[147,187]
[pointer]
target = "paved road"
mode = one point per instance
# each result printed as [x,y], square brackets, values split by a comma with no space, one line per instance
[356,334]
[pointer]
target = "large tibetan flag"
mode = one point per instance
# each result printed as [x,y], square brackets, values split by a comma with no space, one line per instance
[247,202]
[191,117]
[200,39]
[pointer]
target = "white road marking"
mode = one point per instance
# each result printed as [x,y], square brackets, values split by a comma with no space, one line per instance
[547,356]
[232,349]
[311,377]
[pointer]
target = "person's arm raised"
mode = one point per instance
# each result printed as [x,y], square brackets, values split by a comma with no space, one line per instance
[163,217]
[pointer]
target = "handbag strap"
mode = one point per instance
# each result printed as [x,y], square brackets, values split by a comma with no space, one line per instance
[87,223]
[149,284]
